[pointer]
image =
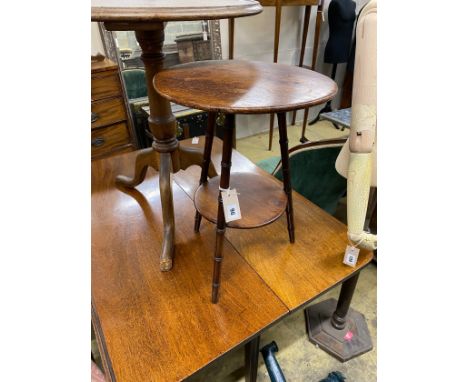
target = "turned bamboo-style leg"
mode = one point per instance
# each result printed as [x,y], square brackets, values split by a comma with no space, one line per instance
[221,222]
[305,30]
[283,141]
[206,159]
[275,59]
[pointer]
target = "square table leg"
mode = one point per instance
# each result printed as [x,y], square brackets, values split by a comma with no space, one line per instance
[251,359]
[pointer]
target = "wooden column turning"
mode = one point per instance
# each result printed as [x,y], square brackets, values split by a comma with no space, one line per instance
[338,319]
[162,124]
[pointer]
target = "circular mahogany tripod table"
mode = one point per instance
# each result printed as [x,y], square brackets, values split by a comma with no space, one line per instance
[242,87]
[147,18]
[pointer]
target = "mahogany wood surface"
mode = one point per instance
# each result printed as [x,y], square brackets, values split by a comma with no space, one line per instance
[161,326]
[170,10]
[108,139]
[108,111]
[262,200]
[244,87]
[105,85]
[297,272]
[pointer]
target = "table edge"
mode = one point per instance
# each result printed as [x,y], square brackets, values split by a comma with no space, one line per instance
[142,15]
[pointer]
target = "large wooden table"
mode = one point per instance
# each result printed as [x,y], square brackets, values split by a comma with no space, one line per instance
[161,326]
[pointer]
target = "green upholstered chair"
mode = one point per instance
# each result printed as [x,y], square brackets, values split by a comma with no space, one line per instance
[137,95]
[135,83]
[313,173]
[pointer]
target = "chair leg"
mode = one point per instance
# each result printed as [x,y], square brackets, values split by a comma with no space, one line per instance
[270,136]
[206,159]
[303,138]
[221,222]
[283,141]
[305,30]
[278,10]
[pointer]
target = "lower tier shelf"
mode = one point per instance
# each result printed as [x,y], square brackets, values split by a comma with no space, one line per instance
[262,200]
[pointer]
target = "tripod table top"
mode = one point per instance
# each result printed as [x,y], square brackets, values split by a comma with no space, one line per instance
[244,87]
[170,10]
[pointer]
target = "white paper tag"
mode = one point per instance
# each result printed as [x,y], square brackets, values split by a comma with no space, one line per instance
[205,36]
[195,140]
[351,255]
[231,205]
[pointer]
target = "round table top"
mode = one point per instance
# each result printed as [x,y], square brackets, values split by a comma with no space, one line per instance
[244,87]
[170,10]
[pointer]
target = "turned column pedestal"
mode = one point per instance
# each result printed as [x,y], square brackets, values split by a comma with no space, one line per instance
[147,19]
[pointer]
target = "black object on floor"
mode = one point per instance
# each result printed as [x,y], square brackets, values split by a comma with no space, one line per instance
[334,376]
[272,365]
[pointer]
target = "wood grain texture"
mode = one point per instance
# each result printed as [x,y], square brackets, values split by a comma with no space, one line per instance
[261,199]
[105,85]
[108,111]
[297,272]
[161,326]
[170,10]
[103,66]
[244,87]
[108,139]
[301,271]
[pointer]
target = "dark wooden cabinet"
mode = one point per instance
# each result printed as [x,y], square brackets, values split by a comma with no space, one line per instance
[110,131]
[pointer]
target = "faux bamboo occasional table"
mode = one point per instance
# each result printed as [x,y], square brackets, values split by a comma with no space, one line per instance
[279,4]
[147,18]
[160,326]
[242,87]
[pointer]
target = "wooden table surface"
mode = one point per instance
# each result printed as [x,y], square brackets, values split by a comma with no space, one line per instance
[285,3]
[244,87]
[161,326]
[170,10]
